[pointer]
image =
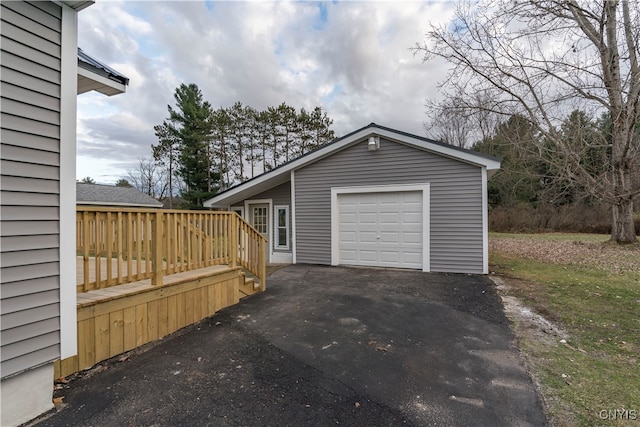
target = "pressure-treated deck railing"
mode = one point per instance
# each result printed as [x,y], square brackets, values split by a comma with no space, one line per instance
[117,246]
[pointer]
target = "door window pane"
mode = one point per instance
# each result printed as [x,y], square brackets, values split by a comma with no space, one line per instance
[260,219]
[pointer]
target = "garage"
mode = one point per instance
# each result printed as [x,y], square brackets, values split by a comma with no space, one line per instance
[356,201]
[382,226]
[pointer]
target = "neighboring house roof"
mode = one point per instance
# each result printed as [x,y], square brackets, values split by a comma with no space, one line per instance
[95,75]
[110,195]
[282,173]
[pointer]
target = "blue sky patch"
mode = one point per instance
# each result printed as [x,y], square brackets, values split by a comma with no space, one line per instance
[321,22]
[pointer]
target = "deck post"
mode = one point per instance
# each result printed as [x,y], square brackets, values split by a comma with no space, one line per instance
[262,262]
[156,249]
[233,239]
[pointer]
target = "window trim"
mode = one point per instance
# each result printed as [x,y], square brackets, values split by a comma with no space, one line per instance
[238,209]
[276,227]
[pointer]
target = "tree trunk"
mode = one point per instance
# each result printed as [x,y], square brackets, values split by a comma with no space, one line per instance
[623,230]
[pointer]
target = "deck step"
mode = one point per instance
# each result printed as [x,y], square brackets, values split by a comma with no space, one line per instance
[251,286]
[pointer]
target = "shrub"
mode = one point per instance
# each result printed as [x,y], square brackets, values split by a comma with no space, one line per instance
[575,218]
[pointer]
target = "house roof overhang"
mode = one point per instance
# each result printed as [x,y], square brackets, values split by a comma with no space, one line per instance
[95,75]
[111,195]
[282,173]
[78,5]
[119,204]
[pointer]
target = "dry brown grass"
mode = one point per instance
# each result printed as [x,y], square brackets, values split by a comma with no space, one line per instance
[591,251]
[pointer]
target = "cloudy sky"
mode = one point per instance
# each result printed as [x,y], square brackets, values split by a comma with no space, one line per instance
[350,58]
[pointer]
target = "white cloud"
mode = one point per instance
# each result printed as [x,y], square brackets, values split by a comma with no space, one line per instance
[351,58]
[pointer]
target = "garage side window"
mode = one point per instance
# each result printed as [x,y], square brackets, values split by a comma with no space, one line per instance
[281,227]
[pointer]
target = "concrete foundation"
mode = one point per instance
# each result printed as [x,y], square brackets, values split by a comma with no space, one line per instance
[26,395]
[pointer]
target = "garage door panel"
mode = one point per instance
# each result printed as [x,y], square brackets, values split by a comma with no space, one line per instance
[367,218]
[389,237]
[389,217]
[347,218]
[348,236]
[413,258]
[388,228]
[415,238]
[412,217]
[381,229]
[414,196]
[350,228]
[362,202]
[386,198]
[367,237]
[349,256]
[368,256]
[393,257]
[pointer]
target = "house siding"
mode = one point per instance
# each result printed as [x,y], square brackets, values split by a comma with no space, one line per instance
[456,228]
[280,195]
[30,171]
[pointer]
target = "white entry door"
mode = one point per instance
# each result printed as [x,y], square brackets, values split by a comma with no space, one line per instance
[382,229]
[259,218]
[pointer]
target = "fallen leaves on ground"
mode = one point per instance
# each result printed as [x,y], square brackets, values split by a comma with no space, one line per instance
[617,259]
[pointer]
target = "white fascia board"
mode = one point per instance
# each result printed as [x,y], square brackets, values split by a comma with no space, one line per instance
[101,83]
[464,156]
[467,157]
[77,5]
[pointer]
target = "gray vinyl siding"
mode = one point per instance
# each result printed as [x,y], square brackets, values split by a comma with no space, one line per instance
[30,170]
[280,195]
[456,231]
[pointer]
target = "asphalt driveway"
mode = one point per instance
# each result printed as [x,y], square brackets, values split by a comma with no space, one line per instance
[324,345]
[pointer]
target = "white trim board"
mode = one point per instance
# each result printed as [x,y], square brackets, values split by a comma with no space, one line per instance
[485,223]
[293,218]
[426,216]
[282,258]
[276,226]
[68,113]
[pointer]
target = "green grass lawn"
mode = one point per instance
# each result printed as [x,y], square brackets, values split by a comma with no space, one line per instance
[598,369]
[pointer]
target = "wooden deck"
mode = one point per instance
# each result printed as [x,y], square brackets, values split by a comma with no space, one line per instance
[120,318]
[249,287]
[124,245]
[142,274]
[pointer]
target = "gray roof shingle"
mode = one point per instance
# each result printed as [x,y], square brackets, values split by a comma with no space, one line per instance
[110,195]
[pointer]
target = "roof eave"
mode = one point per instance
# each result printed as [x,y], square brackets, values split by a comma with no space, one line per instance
[282,173]
[131,205]
[78,5]
[89,80]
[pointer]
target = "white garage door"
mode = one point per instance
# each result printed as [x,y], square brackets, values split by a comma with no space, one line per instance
[381,229]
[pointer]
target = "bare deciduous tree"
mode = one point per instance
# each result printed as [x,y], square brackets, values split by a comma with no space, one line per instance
[453,122]
[150,179]
[449,126]
[543,59]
